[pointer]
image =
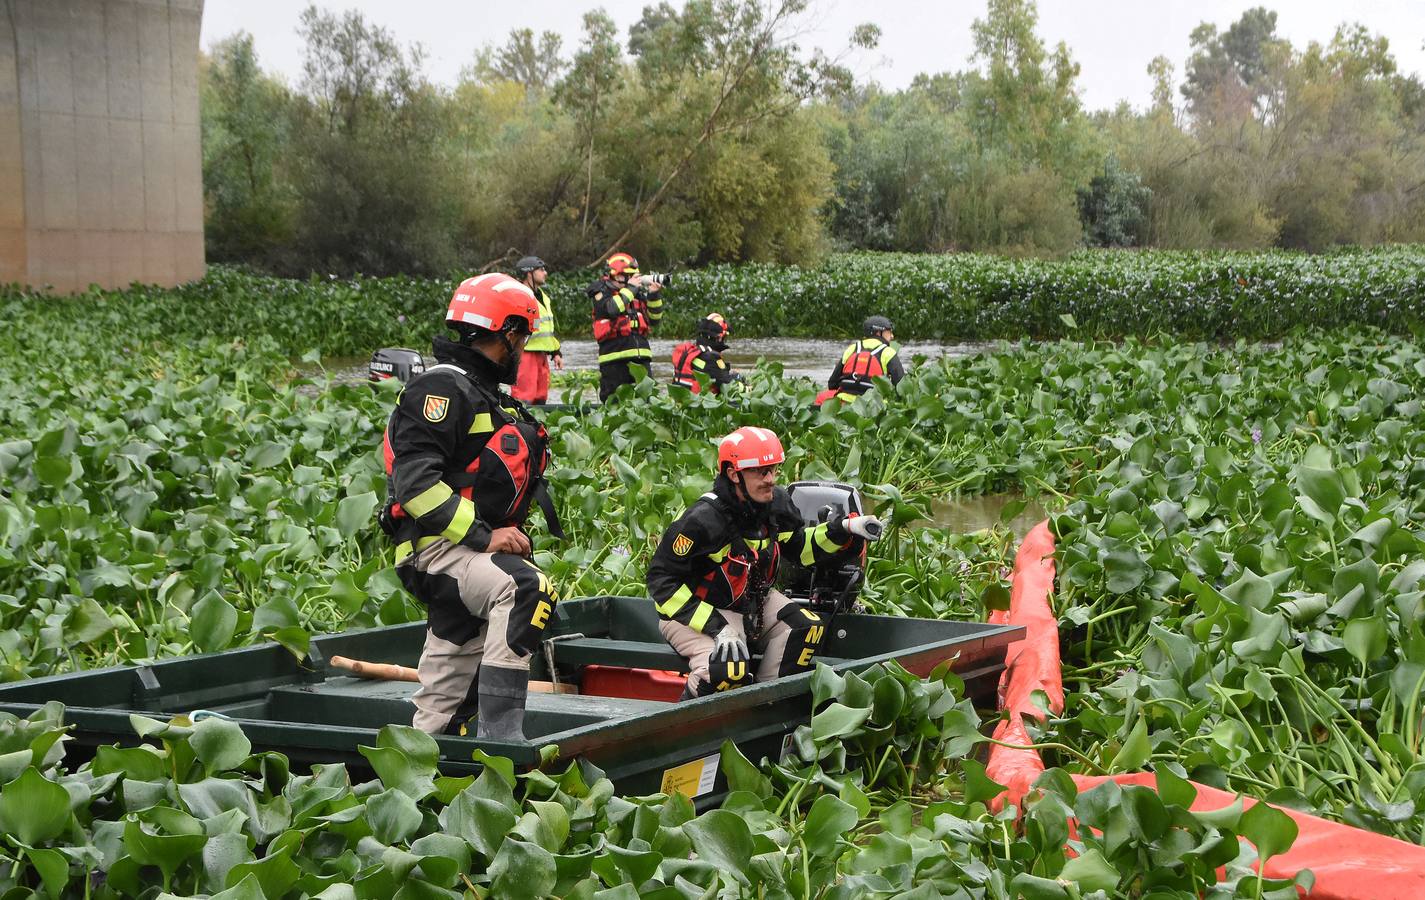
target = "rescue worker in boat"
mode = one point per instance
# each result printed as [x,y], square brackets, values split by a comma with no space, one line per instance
[626,307]
[464,462]
[532,385]
[864,360]
[704,357]
[711,577]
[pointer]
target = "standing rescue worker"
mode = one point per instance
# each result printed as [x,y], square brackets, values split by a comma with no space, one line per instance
[704,356]
[712,574]
[625,311]
[464,461]
[864,360]
[532,386]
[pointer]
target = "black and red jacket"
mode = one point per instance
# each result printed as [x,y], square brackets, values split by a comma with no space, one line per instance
[720,546]
[693,358]
[623,318]
[462,457]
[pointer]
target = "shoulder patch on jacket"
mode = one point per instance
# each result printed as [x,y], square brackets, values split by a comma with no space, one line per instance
[436,408]
[682,544]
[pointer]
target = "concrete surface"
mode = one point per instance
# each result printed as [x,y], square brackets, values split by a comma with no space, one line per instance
[101,175]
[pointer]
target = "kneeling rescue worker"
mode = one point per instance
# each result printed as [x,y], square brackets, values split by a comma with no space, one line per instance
[712,574]
[864,360]
[464,461]
[704,356]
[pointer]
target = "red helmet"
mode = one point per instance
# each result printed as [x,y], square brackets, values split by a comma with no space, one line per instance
[491,301]
[621,264]
[749,447]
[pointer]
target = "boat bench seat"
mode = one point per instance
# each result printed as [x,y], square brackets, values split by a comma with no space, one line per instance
[608,652]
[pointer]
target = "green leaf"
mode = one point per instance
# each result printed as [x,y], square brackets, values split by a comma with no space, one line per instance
[1091,872]
[53,867]
[837,721]
[1124,570]
[88,622]
[827,821]
[979,787]
[356,514]
[1135,751]
[479,821]
[34,808]
[741,774]
[1365,639]
[722,839]
[1271,830]
[219,744]
[1324,487]
[393,816]
[213,622]
[522,869]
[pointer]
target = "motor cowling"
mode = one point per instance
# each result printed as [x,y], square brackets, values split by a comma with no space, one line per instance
[395,362]
[833,585]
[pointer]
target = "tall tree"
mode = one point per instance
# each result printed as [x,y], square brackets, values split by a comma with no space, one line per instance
[523,60]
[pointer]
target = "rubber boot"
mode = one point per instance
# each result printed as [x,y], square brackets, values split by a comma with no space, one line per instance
[502,701]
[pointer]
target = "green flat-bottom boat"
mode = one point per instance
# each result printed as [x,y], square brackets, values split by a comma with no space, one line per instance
[315,713]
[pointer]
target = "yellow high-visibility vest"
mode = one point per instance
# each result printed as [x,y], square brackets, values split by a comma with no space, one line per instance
[543,339]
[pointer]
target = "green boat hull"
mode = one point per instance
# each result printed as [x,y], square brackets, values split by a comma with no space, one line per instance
[316,714]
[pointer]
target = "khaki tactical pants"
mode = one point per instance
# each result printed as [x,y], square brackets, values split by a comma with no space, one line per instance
[486,609]
[791,637]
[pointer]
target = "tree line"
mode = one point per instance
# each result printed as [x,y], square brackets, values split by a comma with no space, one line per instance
[707,134]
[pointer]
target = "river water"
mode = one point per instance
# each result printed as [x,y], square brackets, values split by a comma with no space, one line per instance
[800,357]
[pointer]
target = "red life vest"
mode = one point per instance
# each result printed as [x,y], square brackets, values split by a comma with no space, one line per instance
[501,480]
[861,366]
[683,356]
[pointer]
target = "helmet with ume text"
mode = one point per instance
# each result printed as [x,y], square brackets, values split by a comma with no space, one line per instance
[750,447]
[493,302]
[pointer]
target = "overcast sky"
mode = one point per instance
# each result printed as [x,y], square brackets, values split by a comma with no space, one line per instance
[1112,40]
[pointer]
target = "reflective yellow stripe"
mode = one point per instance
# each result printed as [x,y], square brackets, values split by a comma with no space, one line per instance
[847,355]
[460,525]
[784,536]
[808,556]
[618,303]
[428,499]
[701,616]
[888,355]
[405,549]
[757,543]
[674,603]
[636,353]
[699,364]
[483,424]
[824,540]
[718,556]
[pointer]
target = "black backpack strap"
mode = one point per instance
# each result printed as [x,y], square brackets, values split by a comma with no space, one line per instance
[546,505]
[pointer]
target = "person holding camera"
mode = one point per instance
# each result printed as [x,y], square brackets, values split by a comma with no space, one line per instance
[711,577]
[532,385]
[626,306]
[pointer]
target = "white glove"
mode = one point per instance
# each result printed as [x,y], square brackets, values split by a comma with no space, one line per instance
[868,527]
[729,647]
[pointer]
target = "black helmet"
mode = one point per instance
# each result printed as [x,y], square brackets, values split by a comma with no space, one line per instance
[529,264]
[713,330]
[877,324]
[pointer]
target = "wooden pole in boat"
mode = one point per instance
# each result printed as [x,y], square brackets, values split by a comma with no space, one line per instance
[392,672]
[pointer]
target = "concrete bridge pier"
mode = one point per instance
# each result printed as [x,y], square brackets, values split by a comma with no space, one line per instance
[100,155]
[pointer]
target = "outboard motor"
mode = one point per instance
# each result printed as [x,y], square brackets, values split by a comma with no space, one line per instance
[834,585]
[395,362]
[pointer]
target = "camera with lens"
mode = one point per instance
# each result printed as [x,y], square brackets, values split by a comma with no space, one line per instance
[660,278]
